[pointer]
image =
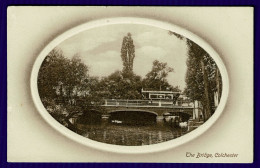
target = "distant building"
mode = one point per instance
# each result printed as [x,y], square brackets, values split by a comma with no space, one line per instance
[160,95]
[165,98]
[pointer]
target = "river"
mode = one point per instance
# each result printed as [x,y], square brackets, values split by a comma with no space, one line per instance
[130,135]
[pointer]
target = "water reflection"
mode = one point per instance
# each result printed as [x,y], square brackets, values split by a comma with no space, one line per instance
[130,135]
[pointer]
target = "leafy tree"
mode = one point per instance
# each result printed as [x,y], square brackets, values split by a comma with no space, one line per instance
[49,74]
[65,87]
[176,35]
[156,79]
[128,53]
[202,77]
[118,86]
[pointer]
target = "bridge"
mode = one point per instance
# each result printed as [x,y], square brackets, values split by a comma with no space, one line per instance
[156,108]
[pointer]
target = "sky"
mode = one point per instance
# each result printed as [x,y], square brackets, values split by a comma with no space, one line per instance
[100,49]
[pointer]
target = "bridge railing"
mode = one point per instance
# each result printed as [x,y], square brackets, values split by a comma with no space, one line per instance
[152,103]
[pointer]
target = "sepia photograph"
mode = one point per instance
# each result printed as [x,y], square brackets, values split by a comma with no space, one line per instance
[129,84]
[107,84]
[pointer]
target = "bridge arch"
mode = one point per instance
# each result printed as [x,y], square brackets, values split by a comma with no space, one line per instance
[90,116]
[133,110]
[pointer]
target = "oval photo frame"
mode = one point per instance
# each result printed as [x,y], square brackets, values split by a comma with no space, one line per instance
[129,149]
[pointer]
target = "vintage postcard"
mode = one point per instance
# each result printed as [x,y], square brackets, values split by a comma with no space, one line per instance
[128,85]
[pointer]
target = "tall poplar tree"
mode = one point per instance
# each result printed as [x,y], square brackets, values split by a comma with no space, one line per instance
[202,76]
[128,53]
